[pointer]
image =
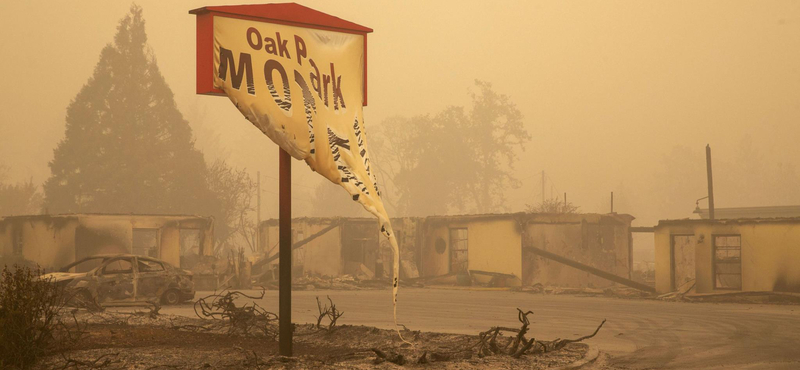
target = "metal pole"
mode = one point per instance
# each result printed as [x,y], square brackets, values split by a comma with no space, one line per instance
[710,184]
[542,186]
[612,202]
[565,201]
[285,254]
[258,214]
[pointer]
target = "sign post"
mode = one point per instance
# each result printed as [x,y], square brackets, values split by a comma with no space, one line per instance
[300,77]
[285,253]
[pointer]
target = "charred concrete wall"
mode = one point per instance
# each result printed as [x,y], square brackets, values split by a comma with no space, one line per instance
[53,241]
[498,244]
[45,240]
[599,241]
[353,242]
[435,251]
[769,251]
[439,245]
[322,256]
[409,234]
[493,244]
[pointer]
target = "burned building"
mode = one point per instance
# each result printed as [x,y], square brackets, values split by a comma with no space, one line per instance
[52,241]
[564,250]
[531,247]
[729,255]
[339,246]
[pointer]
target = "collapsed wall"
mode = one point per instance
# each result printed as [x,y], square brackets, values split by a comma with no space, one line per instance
[488,248]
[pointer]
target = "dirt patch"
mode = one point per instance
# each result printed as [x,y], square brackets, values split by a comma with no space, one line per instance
[139,342]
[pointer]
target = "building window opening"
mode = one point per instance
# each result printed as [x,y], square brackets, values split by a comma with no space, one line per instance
[298,254]
[458,250]
[190,247]
[190,241]
[145,242]
[728,262]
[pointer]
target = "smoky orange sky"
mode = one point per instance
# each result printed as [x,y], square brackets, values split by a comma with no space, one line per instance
[618,96]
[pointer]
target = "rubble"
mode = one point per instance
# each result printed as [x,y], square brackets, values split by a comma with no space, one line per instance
[126,340]
[614,291]
[344,282]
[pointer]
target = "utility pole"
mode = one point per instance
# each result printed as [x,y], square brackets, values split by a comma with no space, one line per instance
[542,187]
[710,184]
[565,201]
[258,213]
[285,254]
[612,202]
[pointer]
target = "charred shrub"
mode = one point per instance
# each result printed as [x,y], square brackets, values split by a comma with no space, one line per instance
[244,319]
[29,316]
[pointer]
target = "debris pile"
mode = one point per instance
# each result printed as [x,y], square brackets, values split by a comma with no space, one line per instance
[680,293]
[344,282]
[309,282]
[613,291]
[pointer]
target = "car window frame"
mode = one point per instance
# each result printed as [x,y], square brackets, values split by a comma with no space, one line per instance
[102,269]
[163,267]
[82,260]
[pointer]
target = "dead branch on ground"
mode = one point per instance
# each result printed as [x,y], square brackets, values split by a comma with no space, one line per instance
[392,357]
[70,333]
[558,344]
[519,345]
[101,362]
[153,312]
[190,327]
[255,362]
[515,347]
[332,313]
[242,319]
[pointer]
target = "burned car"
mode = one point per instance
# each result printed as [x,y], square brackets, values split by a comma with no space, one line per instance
[124,279]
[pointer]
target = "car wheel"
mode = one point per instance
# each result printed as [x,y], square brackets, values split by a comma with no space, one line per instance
[171,297]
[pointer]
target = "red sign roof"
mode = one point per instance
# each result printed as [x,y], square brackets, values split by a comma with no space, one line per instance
[288,13]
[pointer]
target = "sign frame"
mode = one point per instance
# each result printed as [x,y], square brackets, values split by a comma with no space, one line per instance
[288,14]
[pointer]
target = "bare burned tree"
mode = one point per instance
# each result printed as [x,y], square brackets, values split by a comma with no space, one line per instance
[234,190]
[332,313]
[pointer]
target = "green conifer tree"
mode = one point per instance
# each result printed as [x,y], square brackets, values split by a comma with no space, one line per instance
[127,148]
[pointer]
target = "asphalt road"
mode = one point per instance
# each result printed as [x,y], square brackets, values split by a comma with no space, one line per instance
[639,334]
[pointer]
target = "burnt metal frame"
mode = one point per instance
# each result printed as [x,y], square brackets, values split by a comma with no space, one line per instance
[714,262]
[451,244]
[285,253]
